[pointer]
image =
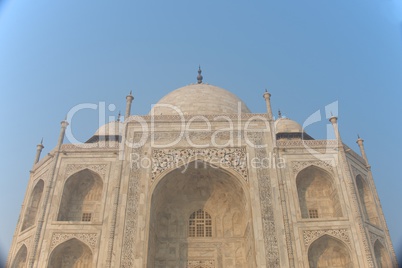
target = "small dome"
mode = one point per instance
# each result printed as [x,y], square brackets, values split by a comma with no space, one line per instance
[109,129]
[285,125]
[199,99]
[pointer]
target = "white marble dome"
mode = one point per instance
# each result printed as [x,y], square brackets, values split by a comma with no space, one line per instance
[199,99]
[286,125]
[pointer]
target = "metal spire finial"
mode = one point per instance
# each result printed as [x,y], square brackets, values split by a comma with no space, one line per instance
[358,136]
[199,76]
[118,117]
[131,92]
[279,114]
[41,141]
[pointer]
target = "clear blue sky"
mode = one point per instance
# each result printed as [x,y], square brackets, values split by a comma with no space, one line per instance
[57,54]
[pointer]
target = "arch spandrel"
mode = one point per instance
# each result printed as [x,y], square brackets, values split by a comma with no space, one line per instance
[232,159]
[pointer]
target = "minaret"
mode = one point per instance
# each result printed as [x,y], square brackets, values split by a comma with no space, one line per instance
[362,151]
[267,97]
[39,149]
[199,76]
[129,99]
[334,121]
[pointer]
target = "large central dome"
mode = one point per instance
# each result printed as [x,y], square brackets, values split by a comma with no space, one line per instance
[199,99]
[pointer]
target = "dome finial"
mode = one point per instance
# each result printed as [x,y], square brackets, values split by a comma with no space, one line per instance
[199,76]
[279,114]
[118,117]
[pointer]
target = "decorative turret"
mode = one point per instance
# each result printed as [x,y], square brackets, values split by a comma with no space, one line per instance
[267,97]
[129,99]
[360,142]
[39,149]
[334,121]
[64,125]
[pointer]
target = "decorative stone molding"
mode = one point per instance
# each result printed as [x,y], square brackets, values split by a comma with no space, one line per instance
[201,263]
[127,259]
[374,237]
[91,239]
[73,168]
[192,136]
[311,235]
[300,165]
[211,117]
[267,212]
[234,158]
[102,145]
[307,143]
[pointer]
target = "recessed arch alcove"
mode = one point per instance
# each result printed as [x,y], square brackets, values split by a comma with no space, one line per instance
[318,194]
[71,254]
[21,258]
[381,255]
[328,251]
[200,214]
[366,200]
[81,199]
[33,206]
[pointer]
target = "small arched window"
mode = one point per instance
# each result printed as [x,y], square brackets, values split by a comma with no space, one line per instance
[200,224]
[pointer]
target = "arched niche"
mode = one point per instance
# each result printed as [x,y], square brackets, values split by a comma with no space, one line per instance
[204,199]
[318,195]
[81,199]
[366,200]
[71,254]
[21,258]
[328,251]
[381,255]
[33,206]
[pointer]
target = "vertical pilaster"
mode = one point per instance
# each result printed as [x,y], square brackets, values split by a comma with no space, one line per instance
[45,203]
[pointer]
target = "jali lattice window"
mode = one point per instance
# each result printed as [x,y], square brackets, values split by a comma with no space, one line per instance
[86,216]
[200,224]
[313,213]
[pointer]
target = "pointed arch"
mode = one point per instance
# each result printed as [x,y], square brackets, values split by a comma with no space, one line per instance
[328,251]
[81,199]
[381,255]
[21,258]
[199,203]
[72,253]
[318,195]
[366,200]
[33,206]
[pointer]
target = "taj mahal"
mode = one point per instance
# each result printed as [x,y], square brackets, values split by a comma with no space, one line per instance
[202,182]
